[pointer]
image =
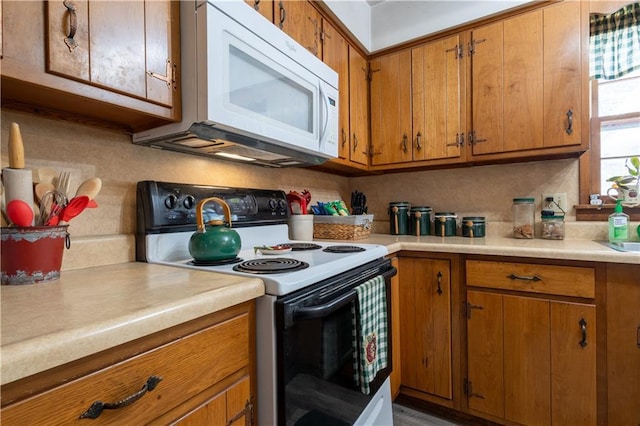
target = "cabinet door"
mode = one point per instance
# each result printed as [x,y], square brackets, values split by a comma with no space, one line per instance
[301,21]
[136,59]
[562,74]
[623,344]
[527,372]
[264,7]
[485,355]
[335,53]
[391,108]
[229,408]
[573,364]
[487,81]
[358,108]
[438,99]
[507,85]
[425,296]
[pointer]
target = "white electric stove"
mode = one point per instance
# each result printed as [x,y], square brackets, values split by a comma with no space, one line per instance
[309,293]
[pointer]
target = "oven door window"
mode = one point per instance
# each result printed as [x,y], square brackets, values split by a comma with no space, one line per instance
[318,373]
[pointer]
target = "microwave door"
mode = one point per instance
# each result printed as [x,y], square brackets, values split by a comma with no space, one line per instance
[257,89]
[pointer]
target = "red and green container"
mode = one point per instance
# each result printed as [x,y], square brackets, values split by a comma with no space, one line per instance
[32,254]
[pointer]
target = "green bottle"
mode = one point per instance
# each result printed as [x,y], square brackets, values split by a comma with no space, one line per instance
[618,225]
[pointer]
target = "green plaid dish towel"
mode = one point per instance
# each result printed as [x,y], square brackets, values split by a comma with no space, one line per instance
[369,317]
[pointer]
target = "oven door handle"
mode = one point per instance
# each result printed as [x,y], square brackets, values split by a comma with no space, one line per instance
[320,311]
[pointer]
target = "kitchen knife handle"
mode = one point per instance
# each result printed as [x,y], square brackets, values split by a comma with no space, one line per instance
[73,25]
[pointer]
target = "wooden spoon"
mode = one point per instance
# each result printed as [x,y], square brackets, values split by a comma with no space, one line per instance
[90,188]
[41,189]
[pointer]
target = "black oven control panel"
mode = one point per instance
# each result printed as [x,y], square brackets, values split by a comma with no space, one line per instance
[171,207]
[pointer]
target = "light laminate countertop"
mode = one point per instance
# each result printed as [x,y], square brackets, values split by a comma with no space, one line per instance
[92,309]
[568,249]
[89,310]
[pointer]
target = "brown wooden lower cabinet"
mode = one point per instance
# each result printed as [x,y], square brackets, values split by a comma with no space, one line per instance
[623,344]
[521,341]
[205,370]
[429,351]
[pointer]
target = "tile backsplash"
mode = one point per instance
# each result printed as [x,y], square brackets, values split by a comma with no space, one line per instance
[89,151]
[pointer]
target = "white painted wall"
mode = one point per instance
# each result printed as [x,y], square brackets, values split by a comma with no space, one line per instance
[391,22]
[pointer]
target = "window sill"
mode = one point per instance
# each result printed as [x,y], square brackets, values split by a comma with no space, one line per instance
[588,212]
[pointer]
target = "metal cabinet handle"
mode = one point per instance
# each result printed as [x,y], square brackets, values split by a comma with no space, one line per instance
[638,337]
[73,25]
[569,128]
[283,15]
[256,4]
[439,283]
[404,143]
[344,137]
[355,142]
[533,278]
[419,141]
[583,330]
[97,407]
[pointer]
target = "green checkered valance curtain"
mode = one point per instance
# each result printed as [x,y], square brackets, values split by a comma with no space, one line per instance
[615,43]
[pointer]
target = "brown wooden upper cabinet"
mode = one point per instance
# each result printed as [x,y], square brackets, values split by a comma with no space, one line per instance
[358,108]
[265,7]
[418,104]
[114,61]
[301,21]
[527,82]
[335,53]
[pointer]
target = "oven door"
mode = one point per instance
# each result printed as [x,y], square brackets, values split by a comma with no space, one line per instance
[315,330]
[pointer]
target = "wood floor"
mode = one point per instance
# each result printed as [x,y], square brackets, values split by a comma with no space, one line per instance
[405,416]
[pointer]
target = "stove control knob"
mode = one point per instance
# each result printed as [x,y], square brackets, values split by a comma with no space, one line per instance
[171,201]
[189,202]
[273,204]
[282,204]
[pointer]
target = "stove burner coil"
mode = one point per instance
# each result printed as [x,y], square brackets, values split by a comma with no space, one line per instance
[274,265]
[303,246]
[343,249]
[215,262]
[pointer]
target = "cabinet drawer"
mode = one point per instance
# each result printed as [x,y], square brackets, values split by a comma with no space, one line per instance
[187,366]
[535,278]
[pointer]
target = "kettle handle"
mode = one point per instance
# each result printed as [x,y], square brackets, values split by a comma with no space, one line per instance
[200,208]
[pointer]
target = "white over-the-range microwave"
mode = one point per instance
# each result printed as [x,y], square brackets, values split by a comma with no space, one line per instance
[249,92]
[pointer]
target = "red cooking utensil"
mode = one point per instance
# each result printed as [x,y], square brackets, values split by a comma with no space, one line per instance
[74,208]
[20,213]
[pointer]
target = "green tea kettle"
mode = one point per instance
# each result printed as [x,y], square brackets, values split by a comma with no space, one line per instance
[217,241]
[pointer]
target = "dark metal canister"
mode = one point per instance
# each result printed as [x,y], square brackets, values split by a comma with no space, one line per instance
[473,226]
[420,220]
[399,217]
[444,224]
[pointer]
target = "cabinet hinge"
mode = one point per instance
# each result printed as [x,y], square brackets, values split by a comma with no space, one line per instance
[472,45]
[369,72]
[170,75]
[467,307]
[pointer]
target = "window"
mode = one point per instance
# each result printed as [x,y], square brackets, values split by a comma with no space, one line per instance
[615,94]
[615,126]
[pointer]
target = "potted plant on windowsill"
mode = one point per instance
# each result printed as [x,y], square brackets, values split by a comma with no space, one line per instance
[627,186]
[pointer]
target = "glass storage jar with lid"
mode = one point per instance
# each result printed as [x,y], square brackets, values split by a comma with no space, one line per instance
[523,217]
[552,225]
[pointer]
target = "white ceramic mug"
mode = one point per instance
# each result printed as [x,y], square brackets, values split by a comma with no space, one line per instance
[629,197]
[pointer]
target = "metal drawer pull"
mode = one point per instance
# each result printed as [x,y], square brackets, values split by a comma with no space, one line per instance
[569,128]
[583,330]
[97,407]
[73,25]
[524,277]
[439,283]
[638,337]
